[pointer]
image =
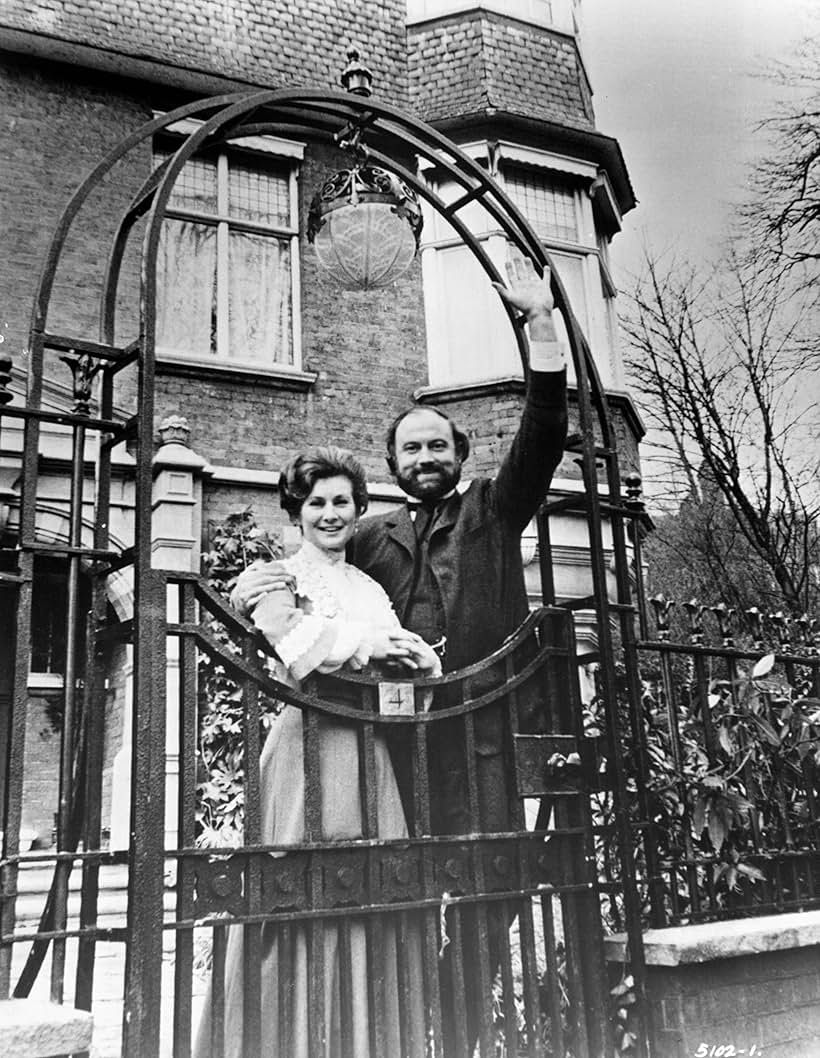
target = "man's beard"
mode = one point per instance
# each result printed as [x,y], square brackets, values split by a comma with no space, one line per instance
[435,484]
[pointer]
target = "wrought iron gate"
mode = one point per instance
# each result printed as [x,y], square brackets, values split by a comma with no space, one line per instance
[430,888]
[444,900]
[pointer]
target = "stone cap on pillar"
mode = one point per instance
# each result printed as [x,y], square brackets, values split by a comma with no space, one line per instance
[175,450]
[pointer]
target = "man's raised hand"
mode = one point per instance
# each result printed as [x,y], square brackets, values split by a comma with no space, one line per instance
[530,294]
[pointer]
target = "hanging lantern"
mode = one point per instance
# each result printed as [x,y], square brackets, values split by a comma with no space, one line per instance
[365,224]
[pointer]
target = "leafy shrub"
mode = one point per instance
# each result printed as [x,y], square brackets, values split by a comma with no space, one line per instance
[234,544]
[717,812]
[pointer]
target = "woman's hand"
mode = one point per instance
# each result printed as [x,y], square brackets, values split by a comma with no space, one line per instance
[404,647]
[396,645]
[426,660]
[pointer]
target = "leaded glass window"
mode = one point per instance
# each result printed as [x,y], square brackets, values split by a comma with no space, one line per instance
[227,265]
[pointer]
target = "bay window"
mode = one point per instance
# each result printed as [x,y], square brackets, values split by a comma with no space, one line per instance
[468,336]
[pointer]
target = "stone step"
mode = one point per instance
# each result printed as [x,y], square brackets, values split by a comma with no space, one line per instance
[30,1028]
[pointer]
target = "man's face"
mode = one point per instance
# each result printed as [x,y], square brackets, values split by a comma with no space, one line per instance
[427,466]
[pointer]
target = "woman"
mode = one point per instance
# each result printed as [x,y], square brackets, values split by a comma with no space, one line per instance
[335,618]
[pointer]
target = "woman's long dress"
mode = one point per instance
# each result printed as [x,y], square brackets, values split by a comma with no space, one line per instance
[327,623]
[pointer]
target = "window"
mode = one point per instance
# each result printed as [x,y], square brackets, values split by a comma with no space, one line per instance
[548,205]
[554,13]
[469,338]
[49,606]
[227,287]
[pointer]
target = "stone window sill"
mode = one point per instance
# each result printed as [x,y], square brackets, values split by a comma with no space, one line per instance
[222,371]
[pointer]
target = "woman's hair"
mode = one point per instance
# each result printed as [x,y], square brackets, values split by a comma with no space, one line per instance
[304,470]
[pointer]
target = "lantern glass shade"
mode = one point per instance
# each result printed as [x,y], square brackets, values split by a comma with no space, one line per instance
[364,225]
[364,246]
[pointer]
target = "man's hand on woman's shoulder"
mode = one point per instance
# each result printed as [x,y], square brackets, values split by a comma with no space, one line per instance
[254,583]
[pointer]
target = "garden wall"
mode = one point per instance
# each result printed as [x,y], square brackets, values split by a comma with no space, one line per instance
[750,987]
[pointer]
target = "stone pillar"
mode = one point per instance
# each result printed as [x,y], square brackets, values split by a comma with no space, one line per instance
[177,498]
[176,536]
[175,545]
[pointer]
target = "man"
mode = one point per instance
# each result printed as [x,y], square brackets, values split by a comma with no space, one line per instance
[451,563]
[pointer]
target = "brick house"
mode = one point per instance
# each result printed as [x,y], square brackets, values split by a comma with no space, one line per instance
[251,370]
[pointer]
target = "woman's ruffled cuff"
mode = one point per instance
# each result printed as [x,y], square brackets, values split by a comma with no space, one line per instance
[353,643]
[318,644]
[307,645]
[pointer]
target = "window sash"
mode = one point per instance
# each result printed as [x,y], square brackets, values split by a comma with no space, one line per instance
[228,286]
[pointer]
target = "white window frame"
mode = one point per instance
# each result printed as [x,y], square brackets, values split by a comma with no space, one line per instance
[561,15]
[595,318]
[291,152]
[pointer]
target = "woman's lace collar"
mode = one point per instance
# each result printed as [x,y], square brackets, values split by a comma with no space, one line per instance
[317,578]
[310,553]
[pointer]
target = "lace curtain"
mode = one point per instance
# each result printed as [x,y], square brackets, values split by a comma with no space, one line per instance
[186,288]
[259,298]
[259,303]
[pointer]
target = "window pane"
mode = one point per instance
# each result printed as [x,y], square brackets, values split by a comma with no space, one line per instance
[259,299]
[48,616]
[549,207]
[571,273]
[186,288]
[49,609]
[259,195]
[195,188]
[473,339]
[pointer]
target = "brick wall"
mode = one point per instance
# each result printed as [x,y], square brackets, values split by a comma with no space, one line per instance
[264,42]
[770,1001]
[57,123]
[219,501]
[480,61]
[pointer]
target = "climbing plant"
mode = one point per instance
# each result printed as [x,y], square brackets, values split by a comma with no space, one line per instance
[234,543]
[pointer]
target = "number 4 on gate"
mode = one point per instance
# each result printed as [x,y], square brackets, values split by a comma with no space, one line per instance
[396,699]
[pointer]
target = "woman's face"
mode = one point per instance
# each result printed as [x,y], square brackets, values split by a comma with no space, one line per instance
[328,515]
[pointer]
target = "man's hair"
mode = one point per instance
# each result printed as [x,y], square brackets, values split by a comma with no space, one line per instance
[305,469]
[460,439]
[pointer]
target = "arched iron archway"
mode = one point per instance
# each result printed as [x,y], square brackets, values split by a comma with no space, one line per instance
[392,135]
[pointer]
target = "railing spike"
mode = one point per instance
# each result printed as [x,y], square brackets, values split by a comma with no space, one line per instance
[755,619]
[662,607]
[782,622]
[725,618]
[696,611]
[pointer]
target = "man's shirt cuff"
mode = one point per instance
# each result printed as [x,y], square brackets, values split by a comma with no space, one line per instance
[548,356]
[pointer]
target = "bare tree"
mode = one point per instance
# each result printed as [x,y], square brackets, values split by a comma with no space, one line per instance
[723,369]
[782,216]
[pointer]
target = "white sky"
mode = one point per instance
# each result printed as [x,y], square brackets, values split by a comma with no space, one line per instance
[675,83]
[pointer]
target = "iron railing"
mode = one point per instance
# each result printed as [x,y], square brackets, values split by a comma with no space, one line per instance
[734,733]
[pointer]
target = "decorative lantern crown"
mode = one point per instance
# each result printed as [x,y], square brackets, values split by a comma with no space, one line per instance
[365,222]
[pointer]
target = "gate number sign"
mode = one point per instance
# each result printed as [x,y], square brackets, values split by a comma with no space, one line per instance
[396,699]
